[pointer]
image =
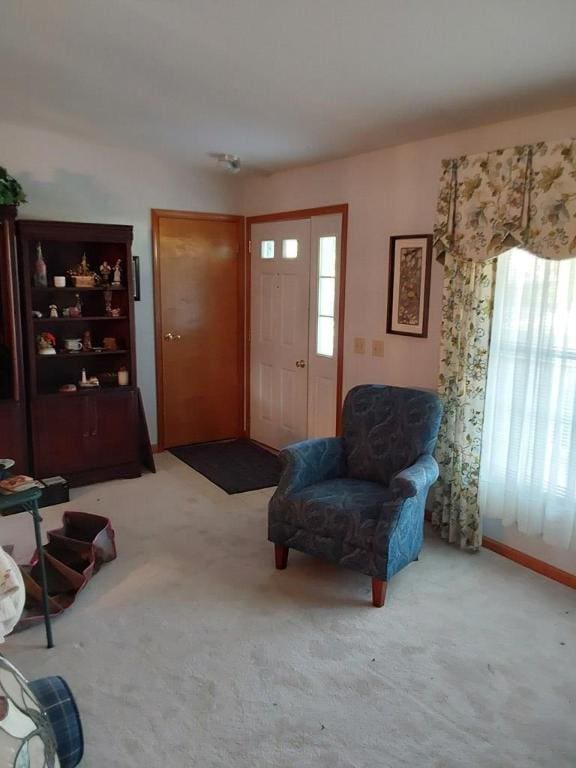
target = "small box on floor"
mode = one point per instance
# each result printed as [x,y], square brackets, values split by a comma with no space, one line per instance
[55,490]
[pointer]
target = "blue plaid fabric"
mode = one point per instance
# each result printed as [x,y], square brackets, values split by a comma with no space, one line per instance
[58,702]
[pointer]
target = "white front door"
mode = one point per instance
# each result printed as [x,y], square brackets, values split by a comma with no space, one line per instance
[293,328]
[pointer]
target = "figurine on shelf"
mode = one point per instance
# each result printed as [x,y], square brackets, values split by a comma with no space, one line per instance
[117,279]
[88,382]
[40,273]
[87,341]
[108,302]
[46,344]
[53,310]
[82,276]
[110,344]
[76,310]
[105,270]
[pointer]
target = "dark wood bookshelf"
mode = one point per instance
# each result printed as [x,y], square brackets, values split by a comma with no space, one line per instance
[90,434]
[13,416]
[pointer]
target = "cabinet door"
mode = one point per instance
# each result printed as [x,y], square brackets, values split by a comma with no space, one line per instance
[113,429]
[61,428]
[13,433]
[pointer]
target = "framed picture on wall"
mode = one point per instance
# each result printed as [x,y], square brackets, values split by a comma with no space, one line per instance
[409,285]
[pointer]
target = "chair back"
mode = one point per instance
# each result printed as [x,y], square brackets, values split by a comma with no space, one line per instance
[385,429]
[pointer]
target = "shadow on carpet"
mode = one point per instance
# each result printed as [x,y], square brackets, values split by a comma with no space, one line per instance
[234,465]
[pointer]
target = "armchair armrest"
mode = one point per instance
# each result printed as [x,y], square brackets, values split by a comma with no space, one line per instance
[418,477]
[309,462]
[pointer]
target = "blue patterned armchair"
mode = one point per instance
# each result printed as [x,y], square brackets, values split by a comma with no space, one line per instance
[358,500]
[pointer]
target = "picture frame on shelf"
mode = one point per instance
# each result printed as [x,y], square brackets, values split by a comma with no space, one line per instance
[136,277]
[409,285]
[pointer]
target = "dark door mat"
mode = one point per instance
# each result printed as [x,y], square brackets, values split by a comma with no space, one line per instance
[234,465]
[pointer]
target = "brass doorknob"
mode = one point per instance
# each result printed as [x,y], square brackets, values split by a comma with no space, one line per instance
[172,336]
[301,364]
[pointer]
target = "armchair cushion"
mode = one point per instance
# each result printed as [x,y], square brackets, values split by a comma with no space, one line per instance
[385,429]
[341,509]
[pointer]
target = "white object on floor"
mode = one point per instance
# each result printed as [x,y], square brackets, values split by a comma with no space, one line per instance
[191,651]
[12,594]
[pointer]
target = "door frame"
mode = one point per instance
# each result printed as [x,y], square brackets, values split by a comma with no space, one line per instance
[156,215]
[304,213]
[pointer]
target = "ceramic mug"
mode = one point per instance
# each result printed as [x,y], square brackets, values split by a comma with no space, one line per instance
[73,345]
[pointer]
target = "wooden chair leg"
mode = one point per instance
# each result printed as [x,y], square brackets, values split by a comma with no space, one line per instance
[281,556]
[378,592]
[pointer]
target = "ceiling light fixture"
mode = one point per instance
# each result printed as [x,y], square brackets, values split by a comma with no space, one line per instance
[230,163]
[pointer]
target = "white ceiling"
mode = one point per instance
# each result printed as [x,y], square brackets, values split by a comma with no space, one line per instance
[281,82]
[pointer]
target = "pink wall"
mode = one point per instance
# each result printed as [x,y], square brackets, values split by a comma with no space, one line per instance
[393,192]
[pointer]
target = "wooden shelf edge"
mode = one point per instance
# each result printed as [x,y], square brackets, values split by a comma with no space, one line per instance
[86,319]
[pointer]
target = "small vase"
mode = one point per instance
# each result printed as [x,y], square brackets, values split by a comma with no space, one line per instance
[40,272]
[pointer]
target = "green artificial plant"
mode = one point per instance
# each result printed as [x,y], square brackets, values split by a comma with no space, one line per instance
[11,193]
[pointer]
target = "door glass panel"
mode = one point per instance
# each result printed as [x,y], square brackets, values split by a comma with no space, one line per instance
[267,249]
[327,265]
[326,295]
[325,336]
[289,249]
[326,291]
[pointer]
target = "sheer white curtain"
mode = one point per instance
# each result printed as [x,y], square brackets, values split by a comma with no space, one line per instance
[528,463]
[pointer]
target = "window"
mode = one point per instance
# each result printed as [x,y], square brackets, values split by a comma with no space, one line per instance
[267,249]
[528,465]
[289,249]
[326,296]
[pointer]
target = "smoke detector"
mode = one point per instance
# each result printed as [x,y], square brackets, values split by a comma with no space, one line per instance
[230,163]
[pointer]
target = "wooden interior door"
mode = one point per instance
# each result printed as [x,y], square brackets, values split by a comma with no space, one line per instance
[198,268]
[280,285]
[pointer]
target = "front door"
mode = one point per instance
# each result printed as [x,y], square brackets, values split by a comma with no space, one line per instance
[279,332]
[199,331]
[294,325]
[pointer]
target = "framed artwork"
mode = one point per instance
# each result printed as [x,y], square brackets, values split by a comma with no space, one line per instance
[409,285]
[136,277]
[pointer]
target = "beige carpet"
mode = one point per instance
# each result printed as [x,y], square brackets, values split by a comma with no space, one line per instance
[191,650]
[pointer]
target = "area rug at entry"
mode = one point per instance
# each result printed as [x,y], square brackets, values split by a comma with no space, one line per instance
[235,466]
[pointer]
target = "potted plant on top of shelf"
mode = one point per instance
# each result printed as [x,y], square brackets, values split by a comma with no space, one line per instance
[11,192]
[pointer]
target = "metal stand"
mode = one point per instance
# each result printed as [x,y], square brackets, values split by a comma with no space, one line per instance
[38,534]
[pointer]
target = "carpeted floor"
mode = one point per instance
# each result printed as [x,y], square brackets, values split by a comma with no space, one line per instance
[192,651]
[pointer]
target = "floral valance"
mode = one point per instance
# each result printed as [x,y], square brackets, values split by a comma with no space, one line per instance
[522,196]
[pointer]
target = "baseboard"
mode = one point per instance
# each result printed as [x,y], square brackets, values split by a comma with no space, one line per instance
[545,569]
[541,567]
[155,448]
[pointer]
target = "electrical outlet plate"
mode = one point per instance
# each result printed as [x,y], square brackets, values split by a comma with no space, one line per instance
[377,348]
[360,345]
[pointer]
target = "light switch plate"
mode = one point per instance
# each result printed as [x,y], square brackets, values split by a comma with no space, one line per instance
[377,348]
[360,345]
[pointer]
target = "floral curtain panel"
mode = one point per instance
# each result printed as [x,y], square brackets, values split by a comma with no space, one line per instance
[518,197]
